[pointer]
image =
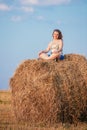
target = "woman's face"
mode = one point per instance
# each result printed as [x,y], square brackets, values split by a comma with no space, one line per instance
[55,35]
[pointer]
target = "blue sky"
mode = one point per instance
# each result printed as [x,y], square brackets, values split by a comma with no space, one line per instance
[26,28]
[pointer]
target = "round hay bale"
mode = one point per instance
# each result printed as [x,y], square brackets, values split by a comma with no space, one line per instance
[49,92]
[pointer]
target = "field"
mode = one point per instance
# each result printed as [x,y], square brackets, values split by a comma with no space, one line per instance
[8,121]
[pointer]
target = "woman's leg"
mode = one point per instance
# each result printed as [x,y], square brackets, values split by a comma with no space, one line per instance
[43,56]
[51,57]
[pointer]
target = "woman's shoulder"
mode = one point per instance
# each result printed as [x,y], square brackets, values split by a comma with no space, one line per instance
[60,41]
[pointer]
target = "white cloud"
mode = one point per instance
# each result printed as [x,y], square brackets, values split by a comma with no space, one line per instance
[27,9]
[44,2]
[4,7]
[33,2]
[40,17]
[16,18]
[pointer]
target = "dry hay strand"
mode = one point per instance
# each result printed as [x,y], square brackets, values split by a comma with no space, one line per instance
[49,92]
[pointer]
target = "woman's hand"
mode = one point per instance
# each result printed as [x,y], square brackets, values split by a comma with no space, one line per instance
[41,52]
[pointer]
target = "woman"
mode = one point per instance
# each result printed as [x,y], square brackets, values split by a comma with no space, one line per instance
[55,46]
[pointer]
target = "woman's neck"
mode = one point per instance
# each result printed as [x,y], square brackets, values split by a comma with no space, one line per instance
[55,39]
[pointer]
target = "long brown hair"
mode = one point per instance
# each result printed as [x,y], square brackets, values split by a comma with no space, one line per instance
[60,33]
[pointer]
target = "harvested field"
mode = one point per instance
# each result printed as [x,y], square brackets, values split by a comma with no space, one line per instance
[49,92]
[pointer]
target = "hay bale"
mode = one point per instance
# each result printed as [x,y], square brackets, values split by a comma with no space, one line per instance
[49,92]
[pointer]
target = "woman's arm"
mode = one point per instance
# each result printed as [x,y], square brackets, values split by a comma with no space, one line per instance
[46,50]
[60,46]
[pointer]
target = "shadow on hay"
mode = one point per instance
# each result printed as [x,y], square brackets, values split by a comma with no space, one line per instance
[49,92]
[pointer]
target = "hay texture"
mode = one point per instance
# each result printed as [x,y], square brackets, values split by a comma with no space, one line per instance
[49,92]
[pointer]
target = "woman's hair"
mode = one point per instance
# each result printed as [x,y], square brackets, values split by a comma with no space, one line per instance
[60,33]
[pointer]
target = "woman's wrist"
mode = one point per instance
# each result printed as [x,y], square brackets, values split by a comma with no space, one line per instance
[59,50]
[44,51]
